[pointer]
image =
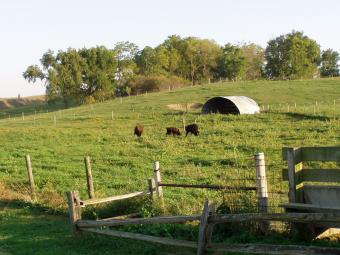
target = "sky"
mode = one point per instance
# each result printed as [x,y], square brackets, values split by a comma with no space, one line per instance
[28,28]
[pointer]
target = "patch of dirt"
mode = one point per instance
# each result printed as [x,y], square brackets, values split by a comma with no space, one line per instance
[7,103]
[9,194]
[184,107]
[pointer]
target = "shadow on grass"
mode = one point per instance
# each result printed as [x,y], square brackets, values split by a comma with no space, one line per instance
[302,116]
[33,207]
[24,230]
[138,206]
[175,113]
[35,108]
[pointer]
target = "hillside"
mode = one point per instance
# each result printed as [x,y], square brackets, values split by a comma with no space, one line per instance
[31,101]
[300,113]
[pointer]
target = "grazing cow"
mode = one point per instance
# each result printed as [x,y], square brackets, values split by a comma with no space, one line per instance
[193,129]
[172,131]
[139,130]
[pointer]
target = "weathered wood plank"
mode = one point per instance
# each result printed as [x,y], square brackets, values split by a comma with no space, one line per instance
[154,220]
[289,217]
[123,217]
[316,153]
[152,186]
[273,249]
[320,153]
[74,210]
[152,239]
[210,227]
[292,159]
[298,154]
[30,177]
[158,180]
[321,175]
[202,241]
[314,175]
[114,198]
[89,179]
[311,207]
[262,190]
[311,186]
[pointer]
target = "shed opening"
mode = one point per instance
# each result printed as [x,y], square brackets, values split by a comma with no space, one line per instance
[231,105]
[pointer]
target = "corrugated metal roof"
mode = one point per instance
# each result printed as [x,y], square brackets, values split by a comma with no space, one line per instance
[231,105]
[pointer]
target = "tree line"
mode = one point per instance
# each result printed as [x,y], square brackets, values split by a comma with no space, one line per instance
[90,74]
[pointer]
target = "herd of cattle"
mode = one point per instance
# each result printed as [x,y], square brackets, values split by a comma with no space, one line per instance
[192,128]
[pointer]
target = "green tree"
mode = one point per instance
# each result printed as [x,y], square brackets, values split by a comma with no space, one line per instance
[208,54]
[200,59]
[232,63]
[329,63]
[98,73]
[126,65]
[292,56]
[175,46]
[32,73]
[84,75]
[153,61]
[254,61]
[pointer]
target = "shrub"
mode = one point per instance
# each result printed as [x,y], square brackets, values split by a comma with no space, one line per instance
[142,84]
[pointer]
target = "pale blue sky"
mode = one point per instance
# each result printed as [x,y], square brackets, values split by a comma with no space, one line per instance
[28,28]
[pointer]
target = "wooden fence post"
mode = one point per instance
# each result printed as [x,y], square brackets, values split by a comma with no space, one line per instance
[205,229]
[74,210]
[30,177]
[294,164]
[158,180]
[89,179]
[262,190]
[151,183]
[210,226]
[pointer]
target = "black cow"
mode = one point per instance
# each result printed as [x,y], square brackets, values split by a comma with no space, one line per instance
[193,129]
[139,130]
[172,131]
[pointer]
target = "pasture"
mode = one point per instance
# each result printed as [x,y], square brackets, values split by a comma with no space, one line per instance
[295,113]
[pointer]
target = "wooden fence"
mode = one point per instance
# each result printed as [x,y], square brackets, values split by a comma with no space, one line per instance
[261,185]
[207,220]
[155,185]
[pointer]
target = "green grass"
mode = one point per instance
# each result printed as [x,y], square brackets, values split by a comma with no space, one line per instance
[122,163]
[25,230]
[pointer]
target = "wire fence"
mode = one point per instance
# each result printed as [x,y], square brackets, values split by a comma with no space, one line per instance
[324,109]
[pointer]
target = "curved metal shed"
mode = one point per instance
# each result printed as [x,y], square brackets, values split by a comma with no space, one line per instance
[231,105]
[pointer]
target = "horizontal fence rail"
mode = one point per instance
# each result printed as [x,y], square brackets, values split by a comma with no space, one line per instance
[205,186]
[141,237]
[216,218]
[94,201]
[289,217]
[272,249]
[126,222]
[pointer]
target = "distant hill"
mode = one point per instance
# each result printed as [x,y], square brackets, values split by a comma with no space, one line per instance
[8,103]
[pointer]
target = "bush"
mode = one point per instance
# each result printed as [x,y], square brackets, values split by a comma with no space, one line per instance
[142,84]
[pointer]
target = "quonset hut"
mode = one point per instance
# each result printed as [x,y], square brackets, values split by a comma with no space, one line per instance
[231,105]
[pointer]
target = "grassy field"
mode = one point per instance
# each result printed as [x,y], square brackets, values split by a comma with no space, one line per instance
[295,113]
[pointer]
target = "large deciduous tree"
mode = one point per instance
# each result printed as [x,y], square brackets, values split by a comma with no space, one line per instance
[153,61]
[126,65]
[200,59]
[292,56]
[84,75]
[254,61]
[232,63]
[329,63]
